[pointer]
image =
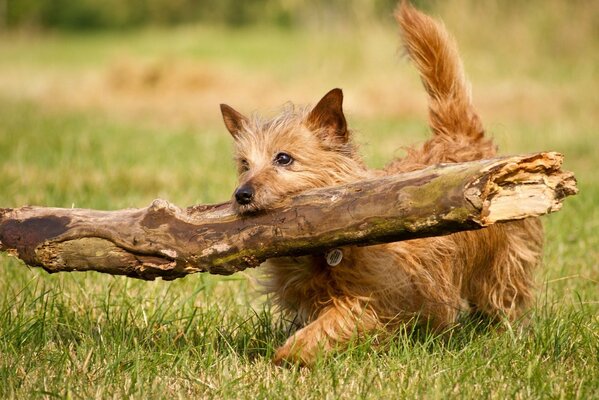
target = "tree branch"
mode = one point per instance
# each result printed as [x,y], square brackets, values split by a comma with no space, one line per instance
[165,241]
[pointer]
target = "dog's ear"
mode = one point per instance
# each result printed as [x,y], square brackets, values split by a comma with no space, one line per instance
[327,116]
[234,120]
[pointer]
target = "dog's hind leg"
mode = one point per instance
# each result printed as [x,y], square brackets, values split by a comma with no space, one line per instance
[501,284]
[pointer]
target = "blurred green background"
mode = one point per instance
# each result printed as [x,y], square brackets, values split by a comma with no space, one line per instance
[111,14]
[110,104]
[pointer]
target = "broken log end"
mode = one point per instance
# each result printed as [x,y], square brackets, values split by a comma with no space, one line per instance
[534,186]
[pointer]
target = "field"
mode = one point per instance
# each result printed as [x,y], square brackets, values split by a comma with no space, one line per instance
[110,120]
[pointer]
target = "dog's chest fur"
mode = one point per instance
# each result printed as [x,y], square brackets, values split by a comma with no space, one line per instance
[301,285]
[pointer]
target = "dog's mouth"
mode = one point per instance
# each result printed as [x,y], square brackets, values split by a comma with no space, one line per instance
[260,202]
[246,209]
[249,208]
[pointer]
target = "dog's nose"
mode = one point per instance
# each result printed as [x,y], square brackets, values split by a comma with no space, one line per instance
[244,194]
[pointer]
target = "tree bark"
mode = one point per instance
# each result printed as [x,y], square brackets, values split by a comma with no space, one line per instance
[165,241]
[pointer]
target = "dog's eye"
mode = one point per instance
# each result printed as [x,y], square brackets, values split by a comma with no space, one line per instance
[244,165]
[283,159]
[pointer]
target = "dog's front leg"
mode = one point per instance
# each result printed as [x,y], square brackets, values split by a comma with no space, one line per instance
[334,328]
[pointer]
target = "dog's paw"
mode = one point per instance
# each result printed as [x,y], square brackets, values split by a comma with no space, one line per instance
[292,354]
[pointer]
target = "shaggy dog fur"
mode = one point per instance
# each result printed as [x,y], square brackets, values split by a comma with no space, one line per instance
[378,288]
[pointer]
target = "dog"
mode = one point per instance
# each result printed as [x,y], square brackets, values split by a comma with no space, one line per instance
[378,289]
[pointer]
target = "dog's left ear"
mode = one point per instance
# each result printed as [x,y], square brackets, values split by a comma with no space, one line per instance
[327,116]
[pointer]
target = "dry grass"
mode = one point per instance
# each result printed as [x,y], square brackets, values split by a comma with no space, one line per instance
[526,65]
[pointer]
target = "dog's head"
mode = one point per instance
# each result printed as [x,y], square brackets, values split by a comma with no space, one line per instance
[297,150]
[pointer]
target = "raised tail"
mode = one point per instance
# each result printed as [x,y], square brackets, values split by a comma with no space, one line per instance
[435,54]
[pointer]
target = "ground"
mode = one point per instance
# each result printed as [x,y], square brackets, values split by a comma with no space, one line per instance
[114,120]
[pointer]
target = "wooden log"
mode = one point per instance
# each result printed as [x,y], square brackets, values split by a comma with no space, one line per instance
[166,241]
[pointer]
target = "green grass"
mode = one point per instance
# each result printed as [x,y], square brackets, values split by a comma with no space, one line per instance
[87,335]
[61,160]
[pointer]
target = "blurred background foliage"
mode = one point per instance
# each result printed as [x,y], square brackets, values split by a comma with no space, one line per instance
[124,14]
[102,14]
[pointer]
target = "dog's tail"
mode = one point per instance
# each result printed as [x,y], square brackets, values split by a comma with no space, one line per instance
[435,54]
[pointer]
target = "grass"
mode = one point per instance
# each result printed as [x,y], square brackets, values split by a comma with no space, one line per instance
[70,136]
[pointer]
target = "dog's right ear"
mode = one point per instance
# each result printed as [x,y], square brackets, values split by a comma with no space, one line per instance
[234,120]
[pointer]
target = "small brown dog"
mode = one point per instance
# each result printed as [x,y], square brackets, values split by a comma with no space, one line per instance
[377,288]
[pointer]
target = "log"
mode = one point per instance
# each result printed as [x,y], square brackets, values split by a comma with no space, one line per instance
[166,241]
